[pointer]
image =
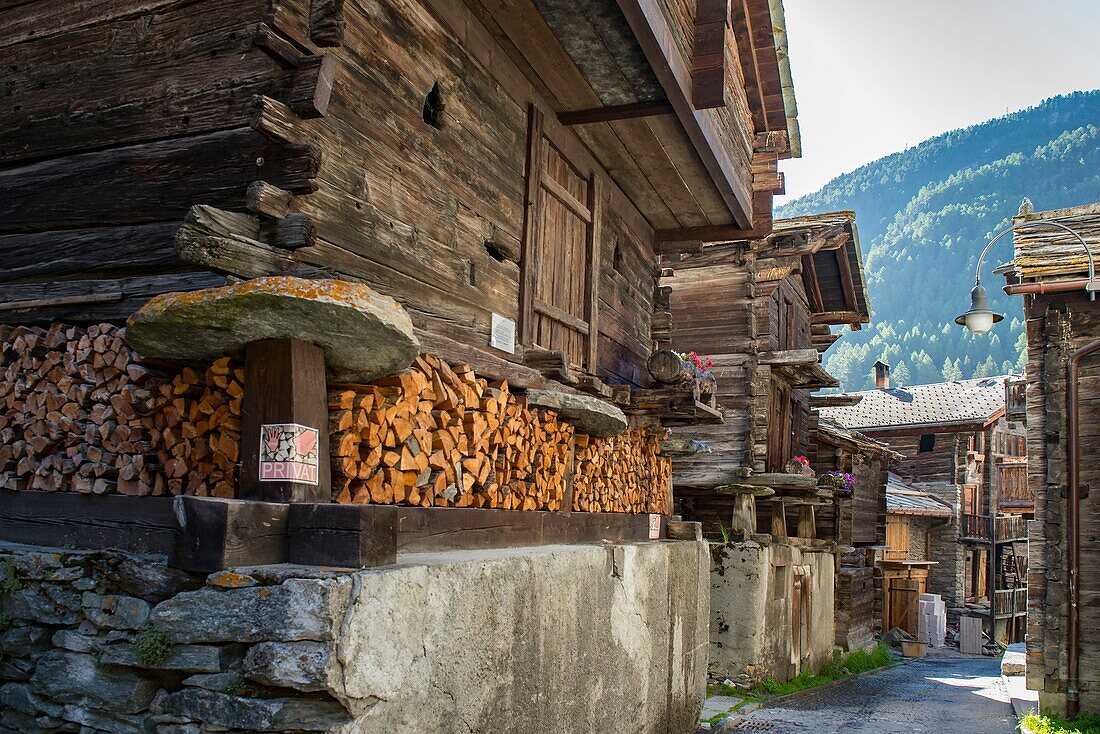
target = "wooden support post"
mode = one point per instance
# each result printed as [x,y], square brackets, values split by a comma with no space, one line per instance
[349,536]
[743,524]
[779,520]
[214,534]
[285,389]
[806,522]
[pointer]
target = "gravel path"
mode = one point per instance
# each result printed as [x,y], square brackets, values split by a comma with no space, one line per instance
[945,692]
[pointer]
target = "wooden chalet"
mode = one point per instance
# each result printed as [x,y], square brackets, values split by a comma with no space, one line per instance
[1050,272]
[957,445]
[761,310]
[507,172]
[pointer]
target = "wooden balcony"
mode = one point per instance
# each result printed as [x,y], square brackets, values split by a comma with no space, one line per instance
[977,528]
[1009,602]
[1015,399]
[1013,490]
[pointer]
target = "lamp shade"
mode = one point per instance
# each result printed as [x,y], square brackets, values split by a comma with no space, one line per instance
[980,318]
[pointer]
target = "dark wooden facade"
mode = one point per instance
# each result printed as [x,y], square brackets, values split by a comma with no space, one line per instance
[466,158]
[1060,321]
[758,309]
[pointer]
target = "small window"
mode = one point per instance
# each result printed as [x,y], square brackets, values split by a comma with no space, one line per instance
[927,442]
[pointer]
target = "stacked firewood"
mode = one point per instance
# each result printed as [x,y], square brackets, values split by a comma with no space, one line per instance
[621,474]
[80,412]
[434,435]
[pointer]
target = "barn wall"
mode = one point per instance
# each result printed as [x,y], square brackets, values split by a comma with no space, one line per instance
[168,119]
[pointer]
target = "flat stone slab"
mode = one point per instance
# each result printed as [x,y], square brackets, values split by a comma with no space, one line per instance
[777,480]
[1014,661]
[595,417]
[365,334]
[754,490]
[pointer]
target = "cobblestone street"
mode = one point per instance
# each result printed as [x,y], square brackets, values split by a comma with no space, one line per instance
[945,692]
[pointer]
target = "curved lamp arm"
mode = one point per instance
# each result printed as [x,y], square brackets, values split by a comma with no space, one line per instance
[1092,286]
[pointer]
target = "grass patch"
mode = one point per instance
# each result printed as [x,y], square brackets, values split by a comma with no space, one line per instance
[1084,724]
[10,582]
[840,666]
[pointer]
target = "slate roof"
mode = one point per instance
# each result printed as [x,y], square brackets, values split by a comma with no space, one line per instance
[904,499]
[941,403]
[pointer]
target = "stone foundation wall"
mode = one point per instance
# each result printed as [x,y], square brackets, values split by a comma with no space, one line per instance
[752,592]
[551,639]
[948,577]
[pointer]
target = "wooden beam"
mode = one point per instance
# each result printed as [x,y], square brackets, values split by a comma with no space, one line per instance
[812,284]
[215,534]
[688,239]
[847,282]
[647,20]
[71,520]
[709,56]
[616,112]
[789,357]
[347,536]
[285,392]
[838,317]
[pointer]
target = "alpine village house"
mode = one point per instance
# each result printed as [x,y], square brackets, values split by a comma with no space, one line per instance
[958,505]
[390,284]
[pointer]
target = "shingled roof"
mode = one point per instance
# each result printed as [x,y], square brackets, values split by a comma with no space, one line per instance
[938,404]
[904,499]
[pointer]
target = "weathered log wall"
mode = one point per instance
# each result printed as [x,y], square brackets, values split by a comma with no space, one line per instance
[317,127]
[79,411]
[1056,327]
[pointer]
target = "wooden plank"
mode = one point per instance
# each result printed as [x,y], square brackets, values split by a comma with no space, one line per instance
[565,197]
[214,534]
[847,282]
[811,283]
[592,270]
[71,520]
[84,301]
[152,182]
[284,383]
[348,536]
[551,311]
[167,78]
[433,529]
[531,226]
[86,251]
[616,112]
[687,239]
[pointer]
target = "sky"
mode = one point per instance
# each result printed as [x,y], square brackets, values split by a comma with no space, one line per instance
[873,77]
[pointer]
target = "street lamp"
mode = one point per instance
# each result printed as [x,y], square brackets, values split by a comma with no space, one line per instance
[979,318]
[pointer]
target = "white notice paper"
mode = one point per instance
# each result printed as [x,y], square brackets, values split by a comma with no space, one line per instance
[503,335]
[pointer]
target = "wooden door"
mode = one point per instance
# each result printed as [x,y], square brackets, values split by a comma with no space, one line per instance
[560,285]
[780,427]
[902,606]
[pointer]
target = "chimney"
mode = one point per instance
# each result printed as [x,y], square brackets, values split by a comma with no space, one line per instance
[882,375]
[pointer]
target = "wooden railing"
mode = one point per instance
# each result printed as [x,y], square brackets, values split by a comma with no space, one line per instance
[1015,400]
[977,527]
[1013,486]
[1009,601]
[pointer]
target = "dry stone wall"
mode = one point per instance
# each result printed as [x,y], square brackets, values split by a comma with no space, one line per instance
[109,642]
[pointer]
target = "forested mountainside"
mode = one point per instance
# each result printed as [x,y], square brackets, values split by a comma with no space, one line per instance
[924,215]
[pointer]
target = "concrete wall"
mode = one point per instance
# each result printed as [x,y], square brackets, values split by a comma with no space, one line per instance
[751,599]
[552,639]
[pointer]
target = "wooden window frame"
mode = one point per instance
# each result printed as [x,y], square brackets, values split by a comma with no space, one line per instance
[538,186]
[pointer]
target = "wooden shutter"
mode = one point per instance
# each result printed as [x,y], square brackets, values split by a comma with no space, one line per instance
[780,427]
[561,265]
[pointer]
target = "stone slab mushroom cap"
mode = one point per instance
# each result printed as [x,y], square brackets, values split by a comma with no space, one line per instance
[750,489]
[592,416]
[365,335]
